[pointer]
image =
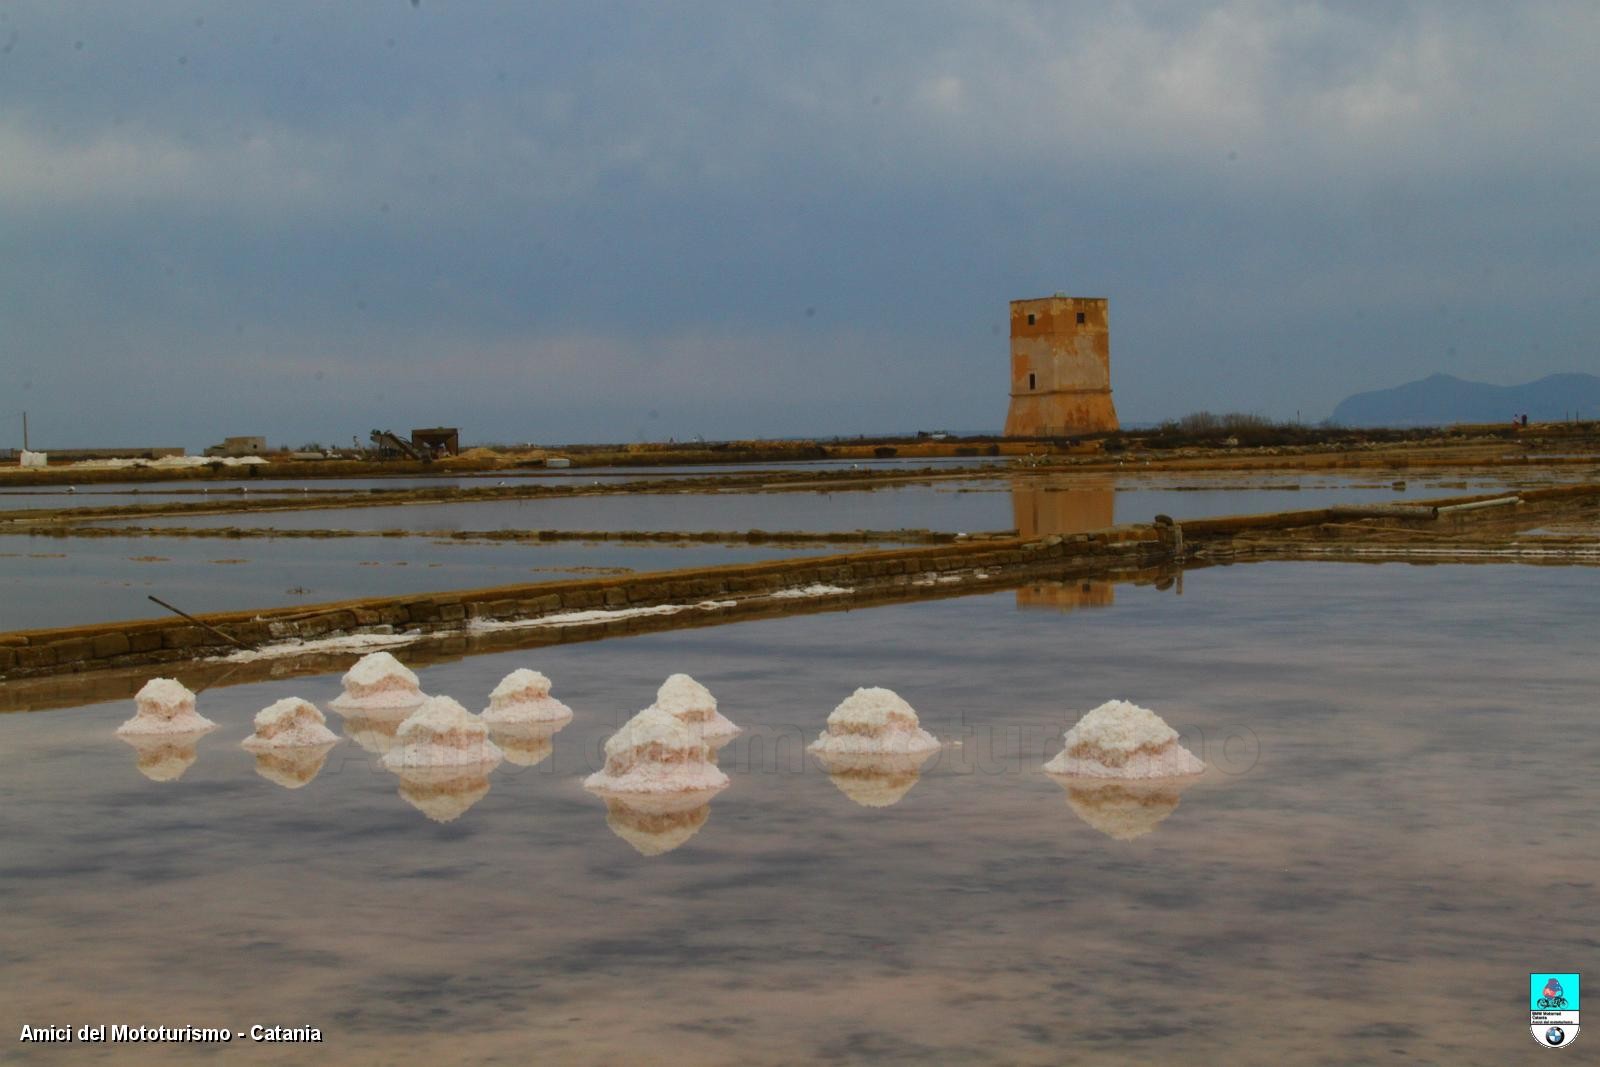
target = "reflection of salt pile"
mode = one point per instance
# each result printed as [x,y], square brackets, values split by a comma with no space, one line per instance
[374,730]
[873,722]
[655,753]
[290,742]
[378,681]
[693,705]
[292,767]
[1123,740]
[524,696]
[165,706]
[874,781]
[442,733]
[654,827]
[526,744]
[1122,808]
[444,794]
[164,757]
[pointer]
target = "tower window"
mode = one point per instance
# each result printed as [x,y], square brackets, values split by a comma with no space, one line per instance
[1030,383]
[1030,318]
[1080,318]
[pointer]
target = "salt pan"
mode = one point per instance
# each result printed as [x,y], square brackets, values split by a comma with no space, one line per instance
[523,696]
[874,781]
[442,733]
[378,680]
[873,721]
[1122,740]
[655,753]
[693,705]
[165,706]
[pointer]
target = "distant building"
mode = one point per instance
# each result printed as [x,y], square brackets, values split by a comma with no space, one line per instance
[437,441]
[239,446]
[1060,367]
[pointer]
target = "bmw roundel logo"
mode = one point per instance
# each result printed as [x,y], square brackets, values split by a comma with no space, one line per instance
[1554,1036]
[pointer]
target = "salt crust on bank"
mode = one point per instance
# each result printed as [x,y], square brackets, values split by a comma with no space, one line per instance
[378,680]
[290,723]
[524,696]
[165,706]
[875,721]
[1119,739]
[693,705]
[442,733]
[655,753]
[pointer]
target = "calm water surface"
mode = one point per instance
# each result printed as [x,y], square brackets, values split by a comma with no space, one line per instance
[53,581]
[956,505]
[1398,826]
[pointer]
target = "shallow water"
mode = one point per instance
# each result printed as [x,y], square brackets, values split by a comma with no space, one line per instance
[55,581]
[105,494]
[954,505]
[1398,828]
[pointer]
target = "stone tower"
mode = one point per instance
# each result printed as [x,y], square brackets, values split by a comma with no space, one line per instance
[1060,367]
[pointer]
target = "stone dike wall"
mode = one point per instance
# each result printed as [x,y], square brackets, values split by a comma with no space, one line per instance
[736,589]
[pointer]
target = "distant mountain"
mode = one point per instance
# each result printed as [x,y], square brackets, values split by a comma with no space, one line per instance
[1442,399]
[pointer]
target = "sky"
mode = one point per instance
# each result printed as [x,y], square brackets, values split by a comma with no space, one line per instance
[618,222]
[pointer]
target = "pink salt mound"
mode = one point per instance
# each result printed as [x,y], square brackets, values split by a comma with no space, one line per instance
[164,706]
[378,680]
[523,696]
[873,722]
[442,733]
[1122,740]
[655,753]
[693,705]
[290,723]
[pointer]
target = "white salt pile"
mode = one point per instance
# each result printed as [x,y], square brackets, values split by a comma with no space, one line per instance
[526,744]
[1124,809]
[442,733]
[523,696]
[1123,740]
[693,705]
[378,681]
[163,757]
[290,723]
[655,753]
[654,825]
[444,794]
[873,722]
[165,706]
[291,742]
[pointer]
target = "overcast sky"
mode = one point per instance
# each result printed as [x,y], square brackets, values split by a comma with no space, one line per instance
[598,221]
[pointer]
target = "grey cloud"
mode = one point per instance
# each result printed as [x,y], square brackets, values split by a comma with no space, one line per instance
[593,206]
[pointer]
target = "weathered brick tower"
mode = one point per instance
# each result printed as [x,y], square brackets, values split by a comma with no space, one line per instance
[1060,367]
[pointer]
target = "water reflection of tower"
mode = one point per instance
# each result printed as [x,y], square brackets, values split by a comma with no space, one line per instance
[1040,508]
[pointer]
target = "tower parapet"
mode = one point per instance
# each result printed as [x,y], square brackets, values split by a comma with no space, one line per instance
[1060,367]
